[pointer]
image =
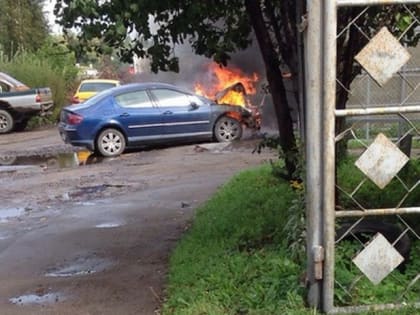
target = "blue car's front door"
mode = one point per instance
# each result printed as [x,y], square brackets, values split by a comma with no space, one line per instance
[183,115]
[139,117]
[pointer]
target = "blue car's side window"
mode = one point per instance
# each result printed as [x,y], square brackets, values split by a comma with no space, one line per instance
[171,98]
[136,99]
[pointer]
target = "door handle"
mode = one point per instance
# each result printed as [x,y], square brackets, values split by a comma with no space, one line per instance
[125,115]
[168,112]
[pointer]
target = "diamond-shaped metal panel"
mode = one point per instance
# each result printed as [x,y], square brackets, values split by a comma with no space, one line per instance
[381,161]
[378,259]
[383,56]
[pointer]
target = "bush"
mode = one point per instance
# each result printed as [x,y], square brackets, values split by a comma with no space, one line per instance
[44,69]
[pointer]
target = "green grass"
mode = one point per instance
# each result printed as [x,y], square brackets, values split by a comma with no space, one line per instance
[369,195]
[244,253]
[234,259]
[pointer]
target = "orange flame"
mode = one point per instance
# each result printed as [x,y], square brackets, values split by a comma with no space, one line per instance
[233,98]
[222,78]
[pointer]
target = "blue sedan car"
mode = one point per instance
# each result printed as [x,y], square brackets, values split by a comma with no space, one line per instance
[148,113]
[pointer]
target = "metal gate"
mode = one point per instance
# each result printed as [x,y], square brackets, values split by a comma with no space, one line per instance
[356,249]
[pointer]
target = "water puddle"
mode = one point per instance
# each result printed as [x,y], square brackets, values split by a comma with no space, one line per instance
[86,203]
[81,266]
[48,298]
[61,160]
[108,225]
[10,213]
[4,236]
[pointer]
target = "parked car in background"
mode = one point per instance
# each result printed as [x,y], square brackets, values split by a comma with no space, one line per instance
[18,103]
[148,113]
[90,87]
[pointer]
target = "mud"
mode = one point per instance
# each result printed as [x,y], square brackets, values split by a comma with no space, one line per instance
[93,236]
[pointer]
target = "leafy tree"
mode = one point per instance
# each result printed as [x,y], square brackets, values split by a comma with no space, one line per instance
[218,28]
[55,51]
[22,26]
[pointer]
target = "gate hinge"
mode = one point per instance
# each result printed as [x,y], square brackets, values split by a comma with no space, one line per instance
[318,256]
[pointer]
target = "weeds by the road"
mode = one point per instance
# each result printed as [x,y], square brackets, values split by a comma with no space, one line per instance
[235,259]
[239,256]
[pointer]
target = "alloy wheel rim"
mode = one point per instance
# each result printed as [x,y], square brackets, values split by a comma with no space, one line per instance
[3,122]
[228,130]
[111,143]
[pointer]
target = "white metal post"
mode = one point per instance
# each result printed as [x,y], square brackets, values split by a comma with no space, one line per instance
[313,57]
[328,143]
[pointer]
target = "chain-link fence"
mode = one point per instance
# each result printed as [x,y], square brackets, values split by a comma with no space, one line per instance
[364,205]
[366,93]
[378,184]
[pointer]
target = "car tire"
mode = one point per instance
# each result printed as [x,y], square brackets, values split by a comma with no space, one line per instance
[6,121]
[227,129]
[110,143]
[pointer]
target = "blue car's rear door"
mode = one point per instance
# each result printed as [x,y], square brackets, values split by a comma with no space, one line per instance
[183,115]
[140,118]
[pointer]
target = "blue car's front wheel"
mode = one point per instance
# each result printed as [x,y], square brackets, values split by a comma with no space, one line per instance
[227,129]
[110,142]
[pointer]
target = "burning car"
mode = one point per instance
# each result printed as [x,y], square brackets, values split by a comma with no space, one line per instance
[230,86]
[236,95]
[148,113]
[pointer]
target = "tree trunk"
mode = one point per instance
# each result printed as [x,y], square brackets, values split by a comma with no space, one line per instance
[275,82]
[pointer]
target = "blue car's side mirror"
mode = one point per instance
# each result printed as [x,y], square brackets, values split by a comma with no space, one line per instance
[194,106]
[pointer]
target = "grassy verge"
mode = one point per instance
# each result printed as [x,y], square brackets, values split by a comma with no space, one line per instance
[244,254]
[234,260]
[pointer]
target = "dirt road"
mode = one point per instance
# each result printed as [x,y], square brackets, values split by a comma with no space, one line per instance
[95,238]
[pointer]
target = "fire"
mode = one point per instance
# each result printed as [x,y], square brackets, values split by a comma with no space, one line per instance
[233,98]
[227,85]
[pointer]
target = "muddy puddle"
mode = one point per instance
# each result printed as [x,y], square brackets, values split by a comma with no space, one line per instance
[30,299]
[61,160]
[81,266]
[109,225]
[10,213]
[4,236]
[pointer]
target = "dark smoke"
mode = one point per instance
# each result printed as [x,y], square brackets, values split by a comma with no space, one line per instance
[193,69]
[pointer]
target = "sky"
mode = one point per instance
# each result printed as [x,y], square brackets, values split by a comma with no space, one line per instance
[48,9]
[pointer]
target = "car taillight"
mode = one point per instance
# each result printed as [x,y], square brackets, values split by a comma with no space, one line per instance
[74,119]
[38,98]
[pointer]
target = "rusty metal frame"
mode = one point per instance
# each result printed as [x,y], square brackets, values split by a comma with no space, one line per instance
[320,138]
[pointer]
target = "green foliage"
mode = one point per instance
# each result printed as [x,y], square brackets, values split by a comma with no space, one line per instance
[56,53]
[22,26]
[215,29]
[51,66]
[362,291]
[369,195]
[235,259]
[240,256]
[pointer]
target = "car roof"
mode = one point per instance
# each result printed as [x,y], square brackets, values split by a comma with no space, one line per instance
[131,87]
[100,81]
[143,86]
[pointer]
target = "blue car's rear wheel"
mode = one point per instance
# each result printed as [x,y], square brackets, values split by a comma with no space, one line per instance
[110,142]
[227,129]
